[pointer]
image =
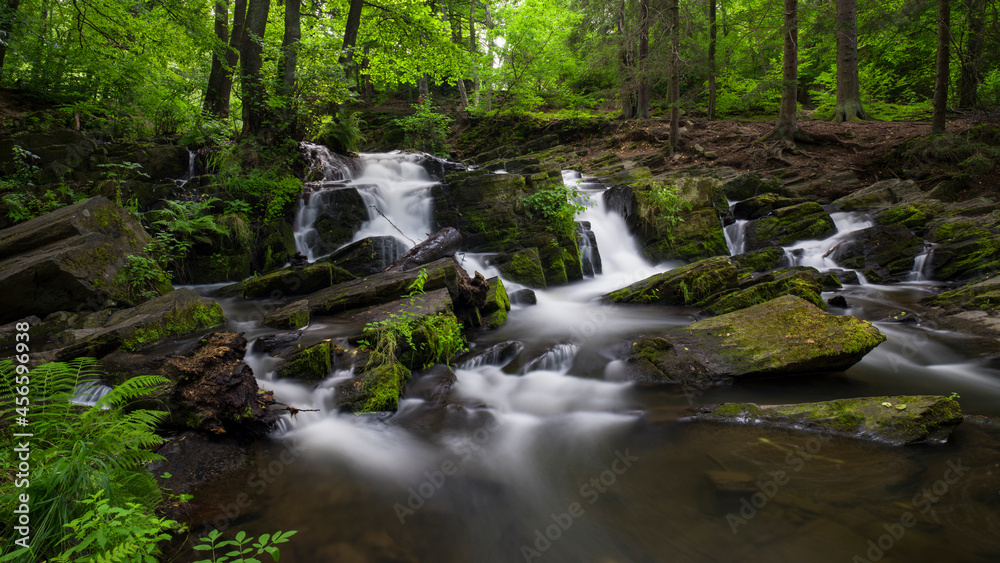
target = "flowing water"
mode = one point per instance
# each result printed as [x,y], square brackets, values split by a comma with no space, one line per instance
[548,456]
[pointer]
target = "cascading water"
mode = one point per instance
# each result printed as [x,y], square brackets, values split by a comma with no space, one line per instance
[396,190]
[922,265]
[818,253]
[189,173]
[735,233]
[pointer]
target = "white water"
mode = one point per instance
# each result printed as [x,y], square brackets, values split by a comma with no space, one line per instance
[817,253]
[189,173]
[397,192]
[735,233]
[922,265]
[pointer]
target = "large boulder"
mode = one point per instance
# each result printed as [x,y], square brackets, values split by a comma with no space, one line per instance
[806,283]
[686,285]
[881,253]
[892,420]
[497,304]
[750,184]
[69,260]
[341,212]
[965,249]
[442,244]
[984,296]
[367,256]
[788,225]
[289,281]
[523,267]
[784,336]
[880,195]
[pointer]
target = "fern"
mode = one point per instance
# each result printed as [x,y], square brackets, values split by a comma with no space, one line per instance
[79,452]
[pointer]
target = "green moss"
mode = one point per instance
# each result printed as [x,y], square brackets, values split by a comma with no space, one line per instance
[190,318]
[909,216]
[384,385]
[310,364]
[760,260]
[984,295]
[524,267]
[951,231]
[764,292]
[791,224]
[685,285]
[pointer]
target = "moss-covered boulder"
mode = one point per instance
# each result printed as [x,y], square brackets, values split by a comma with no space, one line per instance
[880,195]
[289,281]
[687,285]
[915,216]
[806,283]
[294,316]
[784,336]
[751,184]
[523,267]
[787,225]
[984,296]
[884,253]
[382,288]
[341,212]
[762,205]
[70,259]
[309,363]
[897,420]
[762,260]
[376,388]
[497,305]
[367,256]
[966,249]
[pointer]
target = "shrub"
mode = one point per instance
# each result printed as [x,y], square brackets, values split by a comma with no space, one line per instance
[425,129]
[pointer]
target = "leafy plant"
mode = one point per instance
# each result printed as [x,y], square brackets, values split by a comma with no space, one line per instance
[426,129]
[118,174]
[664,207]
[558,205]
[113,534]
[80,452]
[342,133]
[143,276]
[244,546]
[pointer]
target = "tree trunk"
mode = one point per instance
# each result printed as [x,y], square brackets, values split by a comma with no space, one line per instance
[674,91]
[289,60]
[251,51]
[712,29]
[642,96]
[351,36]
[941,80]
[968,80]
[625,65]
[221,109]
[474,49]
[788,126]
[8,18]
[215,75]
[424,88]
[849,106]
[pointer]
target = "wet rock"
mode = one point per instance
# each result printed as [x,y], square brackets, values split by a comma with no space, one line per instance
[382,288]
[838,301]
[341,213]
[984,296]
[762,260]
[443,244]
[880,195]
[69,260]
[965,249]
[497,355]
[846,276]
[312,363]
[376,388]
[590,254]
[288,281]
[881,252]
[367,256]
[897,420]
[494,311]
[751,184]
[179,313]
[276,344]
[195,459]
[523,297]
[788,225]
[298,261]
[762,205]
[806,283]
[686,285]
[784,336]
[914,216]
[294,315]
[523,267]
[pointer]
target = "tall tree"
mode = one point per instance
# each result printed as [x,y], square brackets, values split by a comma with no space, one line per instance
[849,106]
[8,16]
[941,78]
[968,78]
[712,31]
[642,96]
[351,37]
[251,62]
[788,125]
[626,64]
[218,56]
[224,60]
[674,91]
[289,58]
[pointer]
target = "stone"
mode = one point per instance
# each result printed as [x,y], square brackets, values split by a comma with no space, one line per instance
[897,420]
[294,316]
[443,244]
[984,296]
[367,256]
[523,297]
[762,205]
[879,195]
[880,252]
[309,364]
[375,389]
[494,311]
[806,283]
[288,282]
[788,225]
[761,260]
[523,267]
[750,184]
[69,260]
[686,285]
[341,212]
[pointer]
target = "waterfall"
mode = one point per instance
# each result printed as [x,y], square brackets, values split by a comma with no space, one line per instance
[559,358]
[189,173]
[396,191]
[817,253]
[736,236]
[922,265]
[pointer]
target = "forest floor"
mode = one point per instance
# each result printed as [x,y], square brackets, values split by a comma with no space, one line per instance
[873,150]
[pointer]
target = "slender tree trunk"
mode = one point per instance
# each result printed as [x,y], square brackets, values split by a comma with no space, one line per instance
[625,65]
[788,126]
[849,106]
[218,53]
[642,97]
[712,30]
[225,88]
[8,19]
[674,90]
[251,51]
[968,80]
[474,49]
[289,61]
[424,88]
[351,36]
[941,80]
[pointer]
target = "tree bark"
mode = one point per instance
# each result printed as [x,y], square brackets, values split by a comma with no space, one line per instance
[474,49]
[788,126]
[215,74]
[8,18]
[849,106]
[625,65]
[941,79]
[221,108]
[674,91]
[712,32]
[351,36]
[289,62]
[642,96]
[968,80]
[251,51]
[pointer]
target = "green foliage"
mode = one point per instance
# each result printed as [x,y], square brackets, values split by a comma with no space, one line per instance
[664,207]
[245,548]
[118,174]
[189,220]
[114,534]
[270,192]
[24,206]
[82,453]
[206,132]
[143,276]
[558,206]
[342,133]
[426,129]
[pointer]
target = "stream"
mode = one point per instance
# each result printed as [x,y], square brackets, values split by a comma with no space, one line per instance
[552,457]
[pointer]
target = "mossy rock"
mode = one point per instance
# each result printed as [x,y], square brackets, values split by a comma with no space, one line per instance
[788,225]
[367,256]
[984,296]
[897,420]
[686,285]
[762,205]
[307,363]
[276,247]
[802,282]
[341,214]
[762,260]
[880,195]
[887,252]
[293,316]
[382,288]
[752,184]
[290,281]
[965,251]
[915,216]
[494,311]
[523,267]
[375,389]
[221,265]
